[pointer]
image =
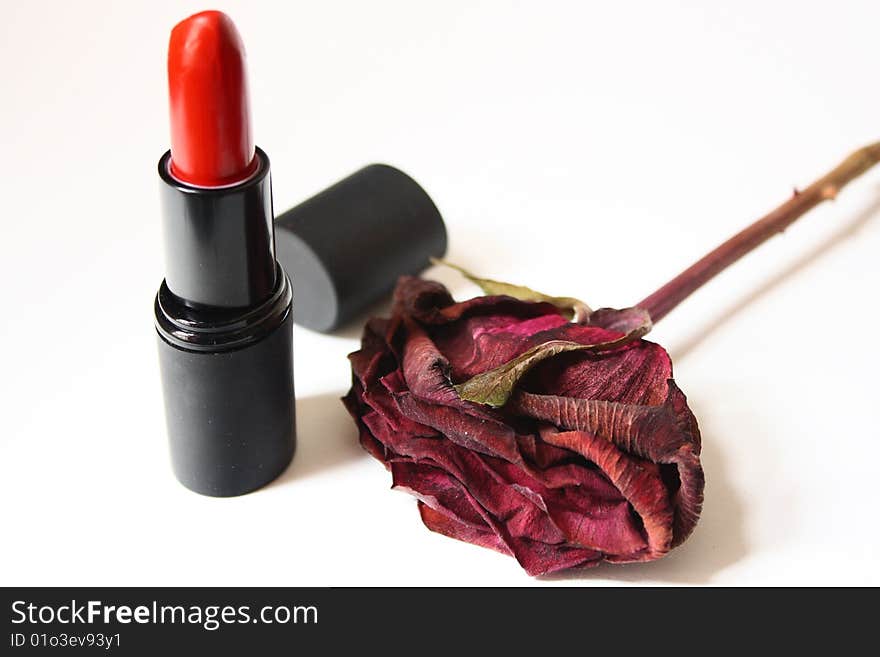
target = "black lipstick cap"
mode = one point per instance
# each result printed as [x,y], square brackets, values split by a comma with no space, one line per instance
[345,247]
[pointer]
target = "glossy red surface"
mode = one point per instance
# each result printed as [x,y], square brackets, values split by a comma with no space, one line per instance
[211,137]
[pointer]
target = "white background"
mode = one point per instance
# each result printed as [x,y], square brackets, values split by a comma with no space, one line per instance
[585,148]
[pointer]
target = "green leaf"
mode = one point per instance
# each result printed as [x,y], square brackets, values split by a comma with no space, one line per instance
[573,309]
[493,388]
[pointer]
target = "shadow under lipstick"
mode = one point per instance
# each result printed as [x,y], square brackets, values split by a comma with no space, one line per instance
[223,312]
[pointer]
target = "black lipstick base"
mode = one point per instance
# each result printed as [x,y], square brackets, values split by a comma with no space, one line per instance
[230,413]
[225,328]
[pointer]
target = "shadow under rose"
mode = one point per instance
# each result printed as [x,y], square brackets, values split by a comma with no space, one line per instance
[326,437]
[717,541]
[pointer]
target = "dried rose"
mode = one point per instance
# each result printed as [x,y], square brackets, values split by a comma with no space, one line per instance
[534,426]
[592,453]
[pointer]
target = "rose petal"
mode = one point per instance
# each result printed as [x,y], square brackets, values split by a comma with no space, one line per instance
[664,434]
[535,557]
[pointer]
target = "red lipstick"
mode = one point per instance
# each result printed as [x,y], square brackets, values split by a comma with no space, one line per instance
[223,312]
[212,141]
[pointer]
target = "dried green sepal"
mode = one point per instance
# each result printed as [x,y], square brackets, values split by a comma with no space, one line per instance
[573,309]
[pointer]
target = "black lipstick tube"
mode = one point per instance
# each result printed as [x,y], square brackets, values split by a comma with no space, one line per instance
[223,317]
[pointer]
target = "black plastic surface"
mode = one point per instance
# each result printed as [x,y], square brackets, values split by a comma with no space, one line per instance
[230,414]
[345,248]
[219,249]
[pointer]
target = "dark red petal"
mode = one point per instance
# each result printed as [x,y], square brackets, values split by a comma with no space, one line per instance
[439,490]
[502,508]
[567,503]
[639,481]
[425,369]
[450,526]
[591,513]
[480,434]
[535,557]
[664,434]
[476,345]
[365,362]
[623,320]
[419,298]
[634,374]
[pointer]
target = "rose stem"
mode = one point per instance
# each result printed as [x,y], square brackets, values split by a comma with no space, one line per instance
[825,188]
